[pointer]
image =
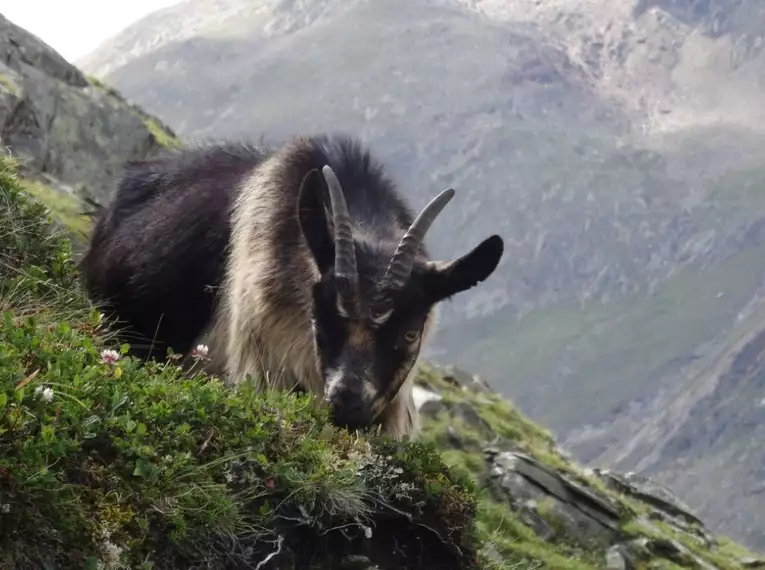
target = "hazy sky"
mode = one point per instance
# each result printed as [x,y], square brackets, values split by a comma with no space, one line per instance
[75,27]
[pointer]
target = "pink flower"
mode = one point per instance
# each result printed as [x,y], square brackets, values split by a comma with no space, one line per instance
[109,356]
[200,352]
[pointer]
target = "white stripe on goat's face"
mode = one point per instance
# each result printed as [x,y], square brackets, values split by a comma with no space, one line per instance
[372,304]
[364,360]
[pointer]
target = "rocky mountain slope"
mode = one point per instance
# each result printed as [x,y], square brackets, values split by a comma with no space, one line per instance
[617,145]
[160,471]
[69,134]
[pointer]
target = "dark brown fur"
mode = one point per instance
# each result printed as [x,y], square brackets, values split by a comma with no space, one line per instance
[256,226]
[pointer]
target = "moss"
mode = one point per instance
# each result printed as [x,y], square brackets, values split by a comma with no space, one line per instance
[161,133]
[64,208]
[163,136]
[8,84]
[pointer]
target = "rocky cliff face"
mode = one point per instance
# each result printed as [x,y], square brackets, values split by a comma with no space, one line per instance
[616,145]
[64,130]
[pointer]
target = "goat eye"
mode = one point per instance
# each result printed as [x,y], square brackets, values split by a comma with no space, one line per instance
[411,336]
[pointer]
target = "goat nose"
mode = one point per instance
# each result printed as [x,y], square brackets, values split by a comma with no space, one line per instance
[349,413]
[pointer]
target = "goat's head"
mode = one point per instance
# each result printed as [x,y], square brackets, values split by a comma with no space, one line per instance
[371,304]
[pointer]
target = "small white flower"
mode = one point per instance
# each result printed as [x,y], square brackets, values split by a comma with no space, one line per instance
[109,356]
[368,532]
[47,395]
[44,393]
[200,351]
[5,508]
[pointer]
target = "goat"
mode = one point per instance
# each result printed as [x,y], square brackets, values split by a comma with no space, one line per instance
[301,267]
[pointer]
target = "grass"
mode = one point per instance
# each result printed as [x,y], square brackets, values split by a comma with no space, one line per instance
[499,527]
[502,530]
[64,208]
[121,464]
[113,463]
[164,137]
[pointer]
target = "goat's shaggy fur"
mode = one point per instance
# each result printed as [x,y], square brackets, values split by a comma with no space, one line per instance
[234,247]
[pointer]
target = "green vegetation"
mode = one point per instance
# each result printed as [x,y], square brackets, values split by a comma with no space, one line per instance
[107,462]
[163,136]
[8,83]
[497,423]
[96,82]
[498,525]
[64,208]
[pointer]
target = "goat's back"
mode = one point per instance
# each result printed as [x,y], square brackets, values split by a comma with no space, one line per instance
[158,250]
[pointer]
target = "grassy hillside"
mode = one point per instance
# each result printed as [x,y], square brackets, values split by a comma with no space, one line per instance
[109,463]
[614,145]
[65,209]
[107,460]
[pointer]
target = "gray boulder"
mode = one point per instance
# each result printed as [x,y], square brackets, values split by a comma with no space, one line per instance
[580,514]
[58,123]
[651,492]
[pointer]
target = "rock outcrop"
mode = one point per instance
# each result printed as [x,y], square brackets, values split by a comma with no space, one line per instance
[599,517]
[66,131]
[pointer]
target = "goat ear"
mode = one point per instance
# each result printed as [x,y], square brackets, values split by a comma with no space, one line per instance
[442,279]
[315,219]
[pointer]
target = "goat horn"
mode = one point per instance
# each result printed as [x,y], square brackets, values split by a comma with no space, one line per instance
[403,259]
[345,254]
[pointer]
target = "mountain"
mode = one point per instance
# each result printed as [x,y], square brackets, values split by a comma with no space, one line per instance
[618,147]
[164,471]
[60,398]
[69,134]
